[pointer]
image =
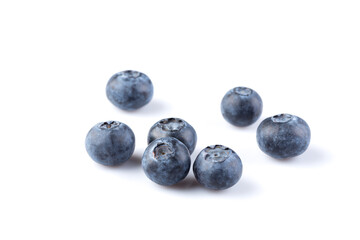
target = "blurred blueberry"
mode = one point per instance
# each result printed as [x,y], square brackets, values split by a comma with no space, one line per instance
[110,143]
[217,167]
[283,136]
[166,161]
[174,127]
[129,90]
[241,106]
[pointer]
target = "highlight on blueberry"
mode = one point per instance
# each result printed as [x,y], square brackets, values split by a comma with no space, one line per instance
[174,127]
[129,90]
[166,161]
[217,167]
[241,106]
[283,136]
[110,143]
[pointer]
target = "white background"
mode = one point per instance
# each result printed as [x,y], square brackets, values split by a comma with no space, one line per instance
[302,57]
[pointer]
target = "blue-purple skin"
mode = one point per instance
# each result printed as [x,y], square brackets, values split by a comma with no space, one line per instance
[174,127]
[110,143]
[241,106]
[283,136]
[129,90]
[166,161]
[217,167]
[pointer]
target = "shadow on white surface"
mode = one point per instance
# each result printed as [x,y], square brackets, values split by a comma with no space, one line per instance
[189,183]
[252,128]
[244,188]
[312,157]
[154,107]
[133,163]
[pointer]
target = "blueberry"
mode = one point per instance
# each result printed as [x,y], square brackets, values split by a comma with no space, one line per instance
[241,106]
[174,127]
[166,161]
[129,90]
[110,143]
[283,136]
[217,167]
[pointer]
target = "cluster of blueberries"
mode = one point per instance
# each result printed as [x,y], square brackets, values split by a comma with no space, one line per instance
[166,160]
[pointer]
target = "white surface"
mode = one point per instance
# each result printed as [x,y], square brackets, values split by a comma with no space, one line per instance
[302,57]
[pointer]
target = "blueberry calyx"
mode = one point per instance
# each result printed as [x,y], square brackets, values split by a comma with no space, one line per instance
[163,151]
[282,118]
[217,153]
[131,74]
[109,124]
[172,124]
[243,91]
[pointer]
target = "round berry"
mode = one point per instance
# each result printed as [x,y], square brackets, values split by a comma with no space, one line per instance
[283,136]
[241,106]
[129,90]
[217,167]
[166,161]
[110,143]
[176,128]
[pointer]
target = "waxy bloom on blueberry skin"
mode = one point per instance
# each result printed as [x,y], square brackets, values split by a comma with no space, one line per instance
[283,136]
[217,167]
[110,143]
[166,161]
[174,127]
[129,90]
[241,106]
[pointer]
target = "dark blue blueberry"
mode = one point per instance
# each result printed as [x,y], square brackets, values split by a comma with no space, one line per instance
[283,136]
[129,90]
[241,106]
[166,161]
[174,127]
[110,143]
[217,167]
